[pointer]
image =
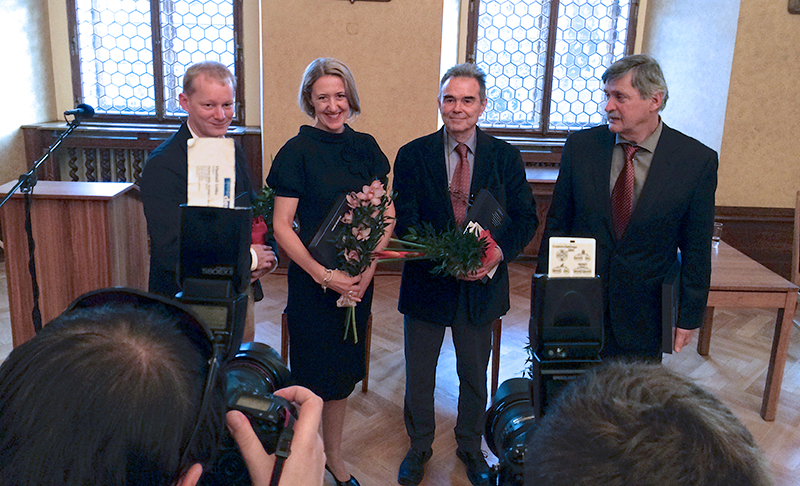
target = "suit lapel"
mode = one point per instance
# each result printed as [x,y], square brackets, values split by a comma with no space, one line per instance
[660,170]
[436,168]
[181,137]
[602,176]
[484,162]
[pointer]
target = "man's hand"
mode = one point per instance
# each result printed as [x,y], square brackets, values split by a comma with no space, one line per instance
[266,261]
[494,257]
[306,462]
[682,338]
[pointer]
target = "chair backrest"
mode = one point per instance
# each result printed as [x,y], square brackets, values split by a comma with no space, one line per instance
[796,243]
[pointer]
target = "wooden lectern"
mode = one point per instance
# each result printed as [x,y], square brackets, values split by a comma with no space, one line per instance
[88,235]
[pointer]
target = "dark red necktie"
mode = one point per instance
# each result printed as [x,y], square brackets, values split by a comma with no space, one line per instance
[622,194]
[459,186]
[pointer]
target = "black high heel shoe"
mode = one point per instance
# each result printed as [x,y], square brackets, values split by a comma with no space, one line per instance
[350,482]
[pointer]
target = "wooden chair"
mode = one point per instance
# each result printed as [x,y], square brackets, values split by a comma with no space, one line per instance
[796,243]
[368,338]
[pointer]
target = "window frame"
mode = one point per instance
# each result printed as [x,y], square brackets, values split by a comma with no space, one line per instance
[544,132]
[160,117]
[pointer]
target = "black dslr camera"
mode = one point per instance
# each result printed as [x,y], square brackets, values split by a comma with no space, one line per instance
[214,272]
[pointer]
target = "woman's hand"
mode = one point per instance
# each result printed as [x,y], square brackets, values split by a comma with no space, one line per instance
[341,283]
[366,279]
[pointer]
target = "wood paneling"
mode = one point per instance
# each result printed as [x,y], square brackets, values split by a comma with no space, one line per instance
[763,234]
[125,136]
[88,236]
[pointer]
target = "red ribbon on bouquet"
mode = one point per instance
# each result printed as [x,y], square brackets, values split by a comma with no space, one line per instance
[490,245]
[259,231]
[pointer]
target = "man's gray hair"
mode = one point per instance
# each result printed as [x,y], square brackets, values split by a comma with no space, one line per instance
[465,70]
[646,75]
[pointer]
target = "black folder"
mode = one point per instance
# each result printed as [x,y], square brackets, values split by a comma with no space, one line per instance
[322,246]
[487,212]
[670,305]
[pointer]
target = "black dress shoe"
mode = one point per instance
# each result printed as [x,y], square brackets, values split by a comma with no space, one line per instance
[412,467]
[477,469]
[350,482]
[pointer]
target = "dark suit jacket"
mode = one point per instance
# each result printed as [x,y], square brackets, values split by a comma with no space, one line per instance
[163,189]
[675,211]
[421,195]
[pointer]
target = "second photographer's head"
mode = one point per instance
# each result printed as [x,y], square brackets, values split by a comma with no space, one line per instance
[109,394]
[635,423]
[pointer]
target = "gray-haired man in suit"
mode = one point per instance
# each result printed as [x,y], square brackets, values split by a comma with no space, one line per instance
[435,177]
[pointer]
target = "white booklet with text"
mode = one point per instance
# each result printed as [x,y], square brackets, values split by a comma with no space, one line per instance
[211,175]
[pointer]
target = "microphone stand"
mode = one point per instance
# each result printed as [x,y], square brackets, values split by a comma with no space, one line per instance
[26,184]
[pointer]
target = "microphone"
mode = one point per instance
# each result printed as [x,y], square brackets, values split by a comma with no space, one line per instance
[81,111]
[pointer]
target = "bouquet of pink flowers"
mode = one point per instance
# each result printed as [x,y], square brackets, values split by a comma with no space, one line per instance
[455,252]
[362,228]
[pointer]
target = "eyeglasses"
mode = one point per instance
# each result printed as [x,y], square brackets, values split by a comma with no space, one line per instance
[186,321]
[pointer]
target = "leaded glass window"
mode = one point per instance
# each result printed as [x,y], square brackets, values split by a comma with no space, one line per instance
[544,59]
[131,54]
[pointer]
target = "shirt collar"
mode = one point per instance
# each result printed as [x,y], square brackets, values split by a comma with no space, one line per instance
[648,143]
[194,135]
[450,142]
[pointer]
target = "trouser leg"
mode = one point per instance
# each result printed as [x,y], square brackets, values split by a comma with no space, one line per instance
[473,346]
[423,341]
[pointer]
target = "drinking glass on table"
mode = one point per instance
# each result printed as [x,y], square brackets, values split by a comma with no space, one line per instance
[715,237]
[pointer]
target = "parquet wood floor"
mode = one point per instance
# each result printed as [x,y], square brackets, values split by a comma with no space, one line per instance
[375,438]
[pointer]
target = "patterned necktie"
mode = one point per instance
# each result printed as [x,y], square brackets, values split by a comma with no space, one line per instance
[622,194]
[459,186]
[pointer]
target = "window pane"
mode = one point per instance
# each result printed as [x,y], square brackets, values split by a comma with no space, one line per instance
[116,60]
[512,51]
[193,31]
[511,48]
[590,37]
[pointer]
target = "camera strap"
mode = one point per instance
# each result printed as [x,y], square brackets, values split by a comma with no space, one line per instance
[282,450]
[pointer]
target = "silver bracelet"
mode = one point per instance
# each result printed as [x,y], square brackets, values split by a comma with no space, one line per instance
[327,279]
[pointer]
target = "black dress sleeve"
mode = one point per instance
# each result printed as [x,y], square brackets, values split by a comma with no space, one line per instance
[287,174]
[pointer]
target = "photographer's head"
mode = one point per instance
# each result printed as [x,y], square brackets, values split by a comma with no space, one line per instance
[109,394]
[641,424]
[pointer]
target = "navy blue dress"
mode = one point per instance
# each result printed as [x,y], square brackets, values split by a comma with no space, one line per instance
[316,167]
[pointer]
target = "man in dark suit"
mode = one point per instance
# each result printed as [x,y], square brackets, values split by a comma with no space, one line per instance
[207,98]
[671,180]
[435,177]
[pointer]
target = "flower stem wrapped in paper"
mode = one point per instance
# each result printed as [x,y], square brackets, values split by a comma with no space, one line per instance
[359,233]
[456,253]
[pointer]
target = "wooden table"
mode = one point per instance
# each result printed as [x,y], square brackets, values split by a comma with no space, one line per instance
[739,281]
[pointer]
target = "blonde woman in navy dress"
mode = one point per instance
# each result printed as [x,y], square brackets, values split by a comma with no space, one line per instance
[308,174]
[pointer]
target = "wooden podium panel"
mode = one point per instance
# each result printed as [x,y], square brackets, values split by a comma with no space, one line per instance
[88,235]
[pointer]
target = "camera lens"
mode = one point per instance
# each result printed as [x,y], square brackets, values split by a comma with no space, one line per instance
[255,370]
[510,415]
[508,422]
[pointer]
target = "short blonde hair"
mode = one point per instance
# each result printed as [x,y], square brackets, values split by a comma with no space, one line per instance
[327,66]
[213,70]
